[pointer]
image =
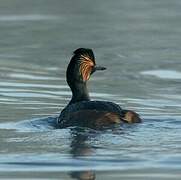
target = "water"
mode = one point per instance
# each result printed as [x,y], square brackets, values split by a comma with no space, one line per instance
[139,43]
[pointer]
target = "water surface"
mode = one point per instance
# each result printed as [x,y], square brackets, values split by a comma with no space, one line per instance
[139,43]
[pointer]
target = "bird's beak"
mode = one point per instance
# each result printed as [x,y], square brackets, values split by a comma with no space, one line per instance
[99,68]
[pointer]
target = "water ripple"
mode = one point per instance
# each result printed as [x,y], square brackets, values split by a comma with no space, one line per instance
[29,17]
[29,85]
[164,74]
[31,76]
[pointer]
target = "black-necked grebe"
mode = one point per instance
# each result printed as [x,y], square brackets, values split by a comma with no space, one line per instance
[81,111]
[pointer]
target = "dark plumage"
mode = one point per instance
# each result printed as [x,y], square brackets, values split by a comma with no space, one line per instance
[81,111]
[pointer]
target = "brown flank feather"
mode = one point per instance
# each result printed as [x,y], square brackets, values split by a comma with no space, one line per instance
[95,119]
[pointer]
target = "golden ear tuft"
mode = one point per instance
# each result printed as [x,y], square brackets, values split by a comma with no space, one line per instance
[86,64]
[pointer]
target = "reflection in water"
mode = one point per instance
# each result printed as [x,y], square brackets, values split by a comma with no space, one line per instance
[79,148]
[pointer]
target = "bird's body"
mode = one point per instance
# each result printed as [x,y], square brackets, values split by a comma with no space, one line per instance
[81,111]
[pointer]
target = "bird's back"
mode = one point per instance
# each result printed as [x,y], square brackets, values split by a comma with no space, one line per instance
[90,113]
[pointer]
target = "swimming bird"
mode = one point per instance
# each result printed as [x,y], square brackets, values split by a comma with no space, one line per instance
[81,111]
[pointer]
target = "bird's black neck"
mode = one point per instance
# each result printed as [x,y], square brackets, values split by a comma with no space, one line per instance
[79,92]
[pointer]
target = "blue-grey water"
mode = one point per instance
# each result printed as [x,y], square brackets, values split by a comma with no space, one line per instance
[139,41]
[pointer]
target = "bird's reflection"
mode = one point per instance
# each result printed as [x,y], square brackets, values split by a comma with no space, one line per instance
[79,148]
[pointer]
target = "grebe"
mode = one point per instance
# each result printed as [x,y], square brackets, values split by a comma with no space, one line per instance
[81,111]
